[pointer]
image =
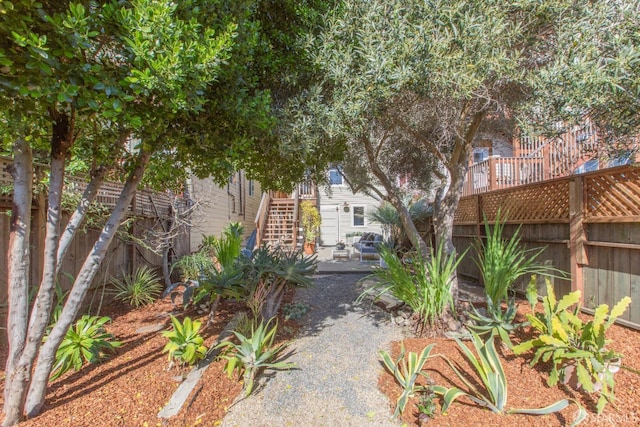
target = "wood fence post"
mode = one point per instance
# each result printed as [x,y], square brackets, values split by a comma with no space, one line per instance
[491,174]
[577,235]
[133,261]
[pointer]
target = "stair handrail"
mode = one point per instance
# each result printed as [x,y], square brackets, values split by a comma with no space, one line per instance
[261,216]
[296,203]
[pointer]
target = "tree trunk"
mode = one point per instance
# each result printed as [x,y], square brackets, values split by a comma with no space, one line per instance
[18,262]
[46,357]
[89,195]
[408,225]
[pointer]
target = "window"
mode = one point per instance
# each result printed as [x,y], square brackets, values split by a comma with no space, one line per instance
[480,154]
[335,178]
[251,188]
[358,216]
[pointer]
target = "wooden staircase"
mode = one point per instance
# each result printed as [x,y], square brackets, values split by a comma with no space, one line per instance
[281,223]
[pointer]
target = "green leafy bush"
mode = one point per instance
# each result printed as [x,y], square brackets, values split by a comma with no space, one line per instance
[140,289]
[566,340]
[406,372]
[253,354]
[185,342]
[87,340]
[489,369]
[422,284]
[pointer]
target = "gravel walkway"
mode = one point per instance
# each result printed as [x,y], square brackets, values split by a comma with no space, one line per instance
[336,354]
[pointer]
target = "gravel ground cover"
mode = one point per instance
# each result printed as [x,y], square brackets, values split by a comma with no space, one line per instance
[336,354]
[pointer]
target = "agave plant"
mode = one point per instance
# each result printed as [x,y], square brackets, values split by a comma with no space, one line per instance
[253,354]
[489,369]
[185,342]
[406,372]
[86,341]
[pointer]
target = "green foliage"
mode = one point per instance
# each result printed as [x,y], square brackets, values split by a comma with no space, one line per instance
[295,310]
[225,248]
[406,372]
[310,219]
[422,284]
[253,354]
[564,339]
[185,342]
[270,272]
[87,341]
[142,288]
[502,263]
[488,368]
[387,216]
[193,267]
[426,405]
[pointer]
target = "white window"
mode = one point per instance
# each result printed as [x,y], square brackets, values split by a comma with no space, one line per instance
[335,178]
[358,216]
[251,187]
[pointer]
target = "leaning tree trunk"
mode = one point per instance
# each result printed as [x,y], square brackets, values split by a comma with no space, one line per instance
[17,377]
[78,216]
[46,357]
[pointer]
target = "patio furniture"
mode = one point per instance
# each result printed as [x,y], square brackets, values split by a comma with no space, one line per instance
[368,245]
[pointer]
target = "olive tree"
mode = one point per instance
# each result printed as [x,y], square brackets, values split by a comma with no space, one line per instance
[408,85]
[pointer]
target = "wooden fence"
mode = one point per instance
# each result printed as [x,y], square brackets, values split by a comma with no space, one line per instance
[150,211]
[589,224]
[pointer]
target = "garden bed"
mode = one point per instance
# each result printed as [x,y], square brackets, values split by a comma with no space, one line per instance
[527,387]
[130,387]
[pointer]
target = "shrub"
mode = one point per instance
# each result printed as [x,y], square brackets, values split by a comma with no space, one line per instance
[87,340]
[185,342]
[140,289]
[253,354]
[564,339]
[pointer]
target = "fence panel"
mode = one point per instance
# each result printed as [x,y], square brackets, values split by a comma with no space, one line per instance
[589,224]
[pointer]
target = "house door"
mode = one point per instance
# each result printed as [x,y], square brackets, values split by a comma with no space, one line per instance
[330,228]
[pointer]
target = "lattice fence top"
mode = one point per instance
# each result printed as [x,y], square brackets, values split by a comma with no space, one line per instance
[613,195]
[467,211]
[147,202]
[543,202]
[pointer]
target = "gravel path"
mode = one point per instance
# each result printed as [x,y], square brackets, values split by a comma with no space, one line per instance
[336,354]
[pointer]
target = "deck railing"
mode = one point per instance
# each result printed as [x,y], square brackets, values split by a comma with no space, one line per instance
[503,172]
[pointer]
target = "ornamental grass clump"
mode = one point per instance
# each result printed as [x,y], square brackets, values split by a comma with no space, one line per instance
[422,284]
[141,288]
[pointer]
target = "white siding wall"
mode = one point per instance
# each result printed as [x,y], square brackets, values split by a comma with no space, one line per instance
[222,205]
[328,204]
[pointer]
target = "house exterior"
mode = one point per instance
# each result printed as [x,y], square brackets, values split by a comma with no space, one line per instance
[343,212]
[237,201]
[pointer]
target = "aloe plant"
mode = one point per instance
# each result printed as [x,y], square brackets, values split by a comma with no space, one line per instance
[565,340]
[489,369]
[185,342]
[406,371]
[253,354]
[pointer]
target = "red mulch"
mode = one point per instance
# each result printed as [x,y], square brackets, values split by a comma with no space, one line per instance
[527,387]
[130,387]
